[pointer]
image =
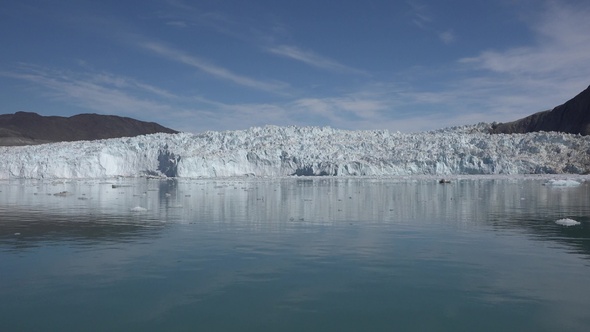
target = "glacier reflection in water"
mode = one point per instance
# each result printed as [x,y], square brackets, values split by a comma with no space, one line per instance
[292,254]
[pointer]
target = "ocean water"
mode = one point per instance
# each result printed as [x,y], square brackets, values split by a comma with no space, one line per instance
[294,254]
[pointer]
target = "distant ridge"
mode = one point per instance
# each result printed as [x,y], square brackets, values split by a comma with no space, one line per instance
[27,128]
[572,117]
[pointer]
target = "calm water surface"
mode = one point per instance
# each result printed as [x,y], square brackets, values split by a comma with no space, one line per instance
[298,254]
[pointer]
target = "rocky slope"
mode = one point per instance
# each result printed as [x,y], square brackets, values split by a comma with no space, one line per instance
[24,128]
[573,117]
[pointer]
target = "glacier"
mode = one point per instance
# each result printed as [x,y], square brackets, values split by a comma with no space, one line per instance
[273,151]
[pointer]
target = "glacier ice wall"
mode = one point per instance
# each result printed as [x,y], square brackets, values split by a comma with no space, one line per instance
[282,151]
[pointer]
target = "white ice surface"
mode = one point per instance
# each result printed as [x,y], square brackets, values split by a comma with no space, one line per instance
[563,183]
[567,222]
[283,151]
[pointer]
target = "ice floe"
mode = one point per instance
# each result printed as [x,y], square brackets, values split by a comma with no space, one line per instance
[567,222]
[563,183]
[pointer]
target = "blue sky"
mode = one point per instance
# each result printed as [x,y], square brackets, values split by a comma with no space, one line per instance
[222,65]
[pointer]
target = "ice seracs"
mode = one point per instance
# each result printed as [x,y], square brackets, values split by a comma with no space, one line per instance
[284,151]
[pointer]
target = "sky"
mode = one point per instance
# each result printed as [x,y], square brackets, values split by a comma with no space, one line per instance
[409,66]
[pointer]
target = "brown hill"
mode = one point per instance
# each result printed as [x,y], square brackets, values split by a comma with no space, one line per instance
[25,128]
[572,117]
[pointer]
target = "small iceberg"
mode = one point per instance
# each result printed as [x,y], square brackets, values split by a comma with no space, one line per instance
[138,209]
[562,183]
[567,222]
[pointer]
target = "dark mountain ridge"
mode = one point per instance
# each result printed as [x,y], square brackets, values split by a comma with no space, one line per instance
[573,117]
[25,128]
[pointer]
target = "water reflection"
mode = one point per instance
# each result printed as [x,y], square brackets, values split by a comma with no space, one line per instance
[86,209]
[293,254]
[25,228]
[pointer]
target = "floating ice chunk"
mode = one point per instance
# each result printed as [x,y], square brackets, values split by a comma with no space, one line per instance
[138,209]
[567,222]
[563,183]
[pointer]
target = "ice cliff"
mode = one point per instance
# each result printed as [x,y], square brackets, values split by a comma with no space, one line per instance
[282,151]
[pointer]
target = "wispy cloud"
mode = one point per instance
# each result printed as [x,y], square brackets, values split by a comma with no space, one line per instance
[495,85]
[502,85]
[312,59]
[193,14]
[108,93]
[549,69]
[101,92]
[419,13]
[422,17]
[395,111]
[447,36]
[120,82]
[211,69]
[258,34]
[492,85]
[178,24]
[563,44]
[374,107]
[183,14]
[179,4]
[361,110]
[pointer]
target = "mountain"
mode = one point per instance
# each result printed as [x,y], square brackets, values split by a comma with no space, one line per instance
[26,128]
[573,117]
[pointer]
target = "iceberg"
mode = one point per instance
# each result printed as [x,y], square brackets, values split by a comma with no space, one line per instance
[273,151]
[567,222]
[563,183]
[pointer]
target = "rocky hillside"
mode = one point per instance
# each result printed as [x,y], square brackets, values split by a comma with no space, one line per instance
[573,117]
[24,128]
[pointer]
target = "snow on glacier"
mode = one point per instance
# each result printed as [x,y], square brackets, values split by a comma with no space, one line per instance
[283,151]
